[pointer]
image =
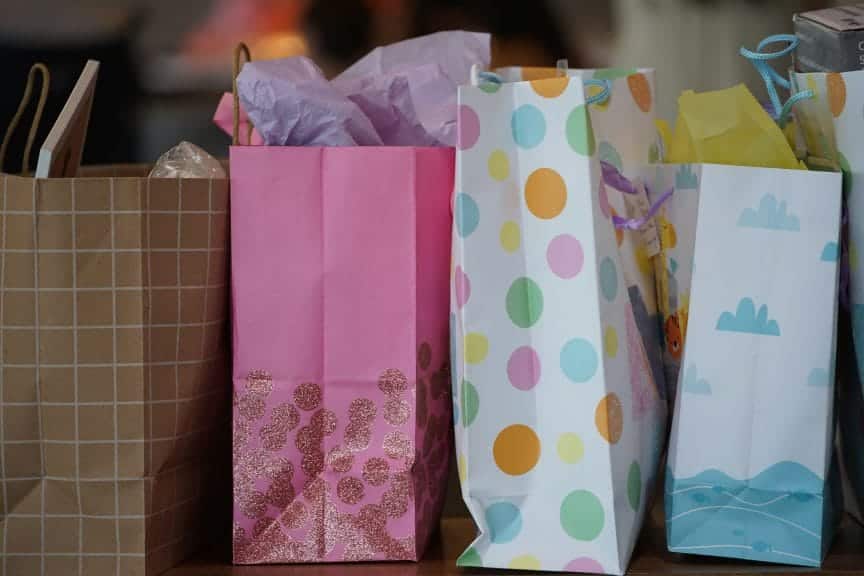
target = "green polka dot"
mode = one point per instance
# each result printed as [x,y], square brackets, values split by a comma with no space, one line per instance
[654,154]
[580,135]
[490,87]
[524,302]
[608,279]
[634,485]
[582,516]
[607,153]
[470,558]
[470,403]
[613,73]
[847,174]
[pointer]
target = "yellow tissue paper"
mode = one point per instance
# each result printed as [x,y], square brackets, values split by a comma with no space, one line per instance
[727,127]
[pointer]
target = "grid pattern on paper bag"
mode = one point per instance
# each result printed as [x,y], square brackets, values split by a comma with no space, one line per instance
[113,376]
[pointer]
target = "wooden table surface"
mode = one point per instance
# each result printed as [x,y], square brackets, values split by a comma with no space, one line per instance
[651,557]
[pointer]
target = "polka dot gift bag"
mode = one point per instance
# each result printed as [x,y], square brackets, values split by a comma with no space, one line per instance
[559,402]
[838,108]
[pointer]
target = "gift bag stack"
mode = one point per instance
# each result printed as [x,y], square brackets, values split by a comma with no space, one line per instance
[595,313]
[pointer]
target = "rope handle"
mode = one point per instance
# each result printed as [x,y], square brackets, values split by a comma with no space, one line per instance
[37,117]
[760,60]
[240,50]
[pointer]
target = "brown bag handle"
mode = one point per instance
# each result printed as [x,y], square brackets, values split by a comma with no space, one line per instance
[37,117]
[243,50]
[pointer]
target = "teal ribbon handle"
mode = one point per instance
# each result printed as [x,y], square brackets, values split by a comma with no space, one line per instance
[600,97]
[761,61]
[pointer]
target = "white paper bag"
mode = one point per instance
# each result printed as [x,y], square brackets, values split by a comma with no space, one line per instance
[752,434]
[560,418]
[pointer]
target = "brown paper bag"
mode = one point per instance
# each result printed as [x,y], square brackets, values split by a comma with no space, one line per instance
[114,377]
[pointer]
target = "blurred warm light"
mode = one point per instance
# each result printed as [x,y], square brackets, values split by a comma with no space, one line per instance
[274,46]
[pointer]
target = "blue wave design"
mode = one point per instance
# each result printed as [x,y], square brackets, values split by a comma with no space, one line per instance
[776,516]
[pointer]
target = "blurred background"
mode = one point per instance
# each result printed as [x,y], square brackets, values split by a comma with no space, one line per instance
[165,63]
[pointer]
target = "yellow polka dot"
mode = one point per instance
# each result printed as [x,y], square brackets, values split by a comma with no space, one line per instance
[609,418]
[516,450]
[610,342]
[550,87]
[594,90]
[499,165]
[545,193]
[570,448]
[462,466]
[525,562]
[510,236]
[476,347]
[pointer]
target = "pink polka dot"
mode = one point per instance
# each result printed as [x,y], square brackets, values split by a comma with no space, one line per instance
[523,368]
[604,200]
[586,565]
[463,287]
[469,127]
[565,256]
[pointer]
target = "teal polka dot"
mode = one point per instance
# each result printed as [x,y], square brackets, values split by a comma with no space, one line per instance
[580,135]
[634,486]
[470,558]
[582,515]
[607,153]
[528,125]
[504,521]
[524,302]
[467,215]
[608,279]
[579,360]
[470,403]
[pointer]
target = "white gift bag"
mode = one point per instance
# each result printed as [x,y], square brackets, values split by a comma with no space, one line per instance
[752,434]
[560,418]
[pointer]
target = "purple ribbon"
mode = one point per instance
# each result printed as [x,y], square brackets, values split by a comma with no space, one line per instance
[614,178]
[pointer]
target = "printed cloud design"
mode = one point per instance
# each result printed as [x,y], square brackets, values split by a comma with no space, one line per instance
[830,252]
[746,319]
[818,378]
[769,215]
[695,385]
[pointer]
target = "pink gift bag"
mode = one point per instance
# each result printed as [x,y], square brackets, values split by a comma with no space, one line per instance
[340,263]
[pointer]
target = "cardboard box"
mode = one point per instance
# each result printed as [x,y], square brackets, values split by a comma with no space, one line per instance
[831,40]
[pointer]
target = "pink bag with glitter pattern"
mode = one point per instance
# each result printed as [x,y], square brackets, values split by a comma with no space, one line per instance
[340,260]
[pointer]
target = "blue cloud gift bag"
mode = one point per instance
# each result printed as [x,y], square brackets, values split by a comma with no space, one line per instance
[750,457]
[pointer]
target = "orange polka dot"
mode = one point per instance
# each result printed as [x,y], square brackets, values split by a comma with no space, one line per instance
[550,87]
[836,92]
[609,418]
[538,73]
[545,193]
[641,91]
[516,449]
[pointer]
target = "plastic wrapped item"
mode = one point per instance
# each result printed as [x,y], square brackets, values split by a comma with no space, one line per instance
[186,160]
[290,103]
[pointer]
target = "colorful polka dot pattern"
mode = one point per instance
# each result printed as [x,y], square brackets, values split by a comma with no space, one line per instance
[535,257]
